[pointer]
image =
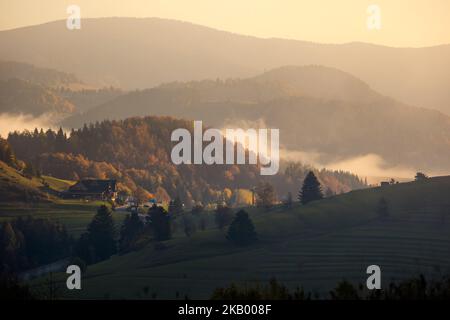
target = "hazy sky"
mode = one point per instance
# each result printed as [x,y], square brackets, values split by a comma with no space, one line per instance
[403,22]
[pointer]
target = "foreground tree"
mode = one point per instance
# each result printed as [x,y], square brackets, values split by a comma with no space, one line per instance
[242,231]
[102,234]
[130,232]
[159,220]
[311,189]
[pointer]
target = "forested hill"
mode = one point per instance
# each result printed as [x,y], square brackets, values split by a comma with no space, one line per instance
[318,109]
[136,152]
[23,97]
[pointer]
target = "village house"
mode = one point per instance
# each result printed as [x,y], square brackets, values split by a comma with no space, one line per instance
[92,189]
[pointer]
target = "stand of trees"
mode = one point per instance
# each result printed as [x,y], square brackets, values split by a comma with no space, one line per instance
[265,195]
[417,288]
[6,153]
[159,221]
[26,243]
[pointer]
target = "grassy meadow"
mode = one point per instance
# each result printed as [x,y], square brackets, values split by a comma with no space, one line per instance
[314,246]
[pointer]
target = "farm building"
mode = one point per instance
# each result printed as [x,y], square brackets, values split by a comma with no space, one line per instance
[92,189]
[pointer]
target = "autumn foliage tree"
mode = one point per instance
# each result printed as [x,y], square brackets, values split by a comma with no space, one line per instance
[265,195]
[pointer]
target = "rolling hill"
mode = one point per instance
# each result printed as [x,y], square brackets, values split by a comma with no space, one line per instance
[137,153]
[27,89]
[141,53]
[321,111]
[14,187]
[315,246]
[23,97]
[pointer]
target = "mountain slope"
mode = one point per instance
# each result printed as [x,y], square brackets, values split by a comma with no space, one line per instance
[321,111]
[41,76]
[140,53]
[14,187]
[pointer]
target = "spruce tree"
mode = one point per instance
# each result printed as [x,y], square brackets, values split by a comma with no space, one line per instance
[159,220]
[130,231]
[242,231]
[311,189]
[102,234]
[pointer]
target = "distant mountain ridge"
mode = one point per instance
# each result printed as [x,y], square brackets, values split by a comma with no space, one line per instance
[319,110]
[141,53]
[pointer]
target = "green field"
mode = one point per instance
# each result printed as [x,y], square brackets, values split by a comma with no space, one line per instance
[74,214]
[36,197]
[315,246]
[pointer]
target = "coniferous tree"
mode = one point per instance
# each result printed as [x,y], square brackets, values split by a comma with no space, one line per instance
[102,234]
[159,220]
[311,189]
[130,231]
[242,231]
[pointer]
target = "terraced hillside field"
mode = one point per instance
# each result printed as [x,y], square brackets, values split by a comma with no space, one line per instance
[314,246]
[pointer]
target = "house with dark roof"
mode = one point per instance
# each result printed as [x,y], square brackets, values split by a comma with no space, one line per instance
[92,189]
